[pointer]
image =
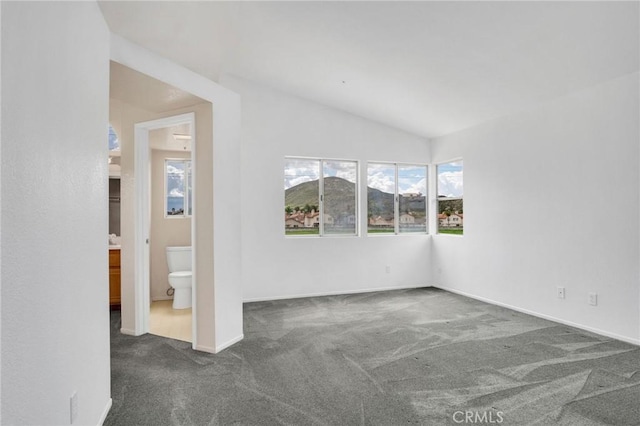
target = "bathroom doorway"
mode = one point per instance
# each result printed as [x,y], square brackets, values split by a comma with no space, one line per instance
[165,170]
[171,214]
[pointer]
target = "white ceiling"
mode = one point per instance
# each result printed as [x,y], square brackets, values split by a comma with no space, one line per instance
[429,68]
[147,93]
[163,138]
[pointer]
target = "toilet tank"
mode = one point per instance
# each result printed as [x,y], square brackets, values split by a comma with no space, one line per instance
[179,258]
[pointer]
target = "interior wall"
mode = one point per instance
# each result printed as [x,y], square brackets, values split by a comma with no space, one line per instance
[123,118]
[275,125]
[552,200]
[219,324]
[164,231]
[55,301]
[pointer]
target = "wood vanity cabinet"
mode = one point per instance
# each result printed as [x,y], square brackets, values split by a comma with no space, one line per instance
[114,278]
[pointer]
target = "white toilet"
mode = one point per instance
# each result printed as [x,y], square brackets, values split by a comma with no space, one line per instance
[179,261]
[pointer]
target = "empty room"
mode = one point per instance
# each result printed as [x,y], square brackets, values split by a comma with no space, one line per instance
[355,213]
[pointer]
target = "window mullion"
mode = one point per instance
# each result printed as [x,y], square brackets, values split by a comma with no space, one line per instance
[166,187]
[186,189]
[321,196]
[396,203]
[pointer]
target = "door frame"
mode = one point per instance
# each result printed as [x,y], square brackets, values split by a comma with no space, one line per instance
[142,191]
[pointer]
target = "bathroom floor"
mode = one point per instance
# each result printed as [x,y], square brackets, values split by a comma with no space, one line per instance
[168,322]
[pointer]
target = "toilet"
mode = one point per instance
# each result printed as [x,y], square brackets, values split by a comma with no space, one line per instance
[179,262]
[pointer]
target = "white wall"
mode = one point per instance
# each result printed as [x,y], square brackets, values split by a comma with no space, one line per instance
[55,309]
[567,174]
[123,119]
[219,310]
[275,125]
[164,231]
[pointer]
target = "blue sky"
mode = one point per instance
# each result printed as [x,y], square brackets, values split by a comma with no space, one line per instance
[297,171]
[411,179]
[114,143]
[175,179]
[450,179]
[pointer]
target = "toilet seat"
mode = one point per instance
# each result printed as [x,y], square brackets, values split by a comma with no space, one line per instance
[180,274]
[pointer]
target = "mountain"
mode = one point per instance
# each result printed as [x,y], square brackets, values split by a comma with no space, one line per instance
[302,194]
[379,203]
[340,192]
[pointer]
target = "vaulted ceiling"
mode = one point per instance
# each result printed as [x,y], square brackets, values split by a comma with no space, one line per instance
[147,93]
[429,68]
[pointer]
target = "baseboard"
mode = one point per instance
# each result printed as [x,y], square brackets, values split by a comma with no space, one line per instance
[207,349]
[228,343]
[543,316]
[330,293]
[103,417]
[157,299]
[128,332]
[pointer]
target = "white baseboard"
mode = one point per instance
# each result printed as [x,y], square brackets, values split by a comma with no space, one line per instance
[331,293]
[157,299]
[228,343]
[207,349]
[128,332]
[107,408]
[543,316]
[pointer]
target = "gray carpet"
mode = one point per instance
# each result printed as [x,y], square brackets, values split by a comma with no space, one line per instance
[421,356]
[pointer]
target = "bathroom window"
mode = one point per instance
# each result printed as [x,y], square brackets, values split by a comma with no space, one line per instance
[450,198]
[178,196]
[396,198]
[320,197]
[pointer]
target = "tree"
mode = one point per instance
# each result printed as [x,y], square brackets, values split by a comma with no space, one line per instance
[288,210]
[447,212]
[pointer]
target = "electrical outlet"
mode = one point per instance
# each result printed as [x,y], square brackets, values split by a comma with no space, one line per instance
[73,405]
[593,299]
[560,292]
[387,269]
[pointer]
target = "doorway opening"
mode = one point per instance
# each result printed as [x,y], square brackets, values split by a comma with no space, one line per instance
[165,217]
[171,216]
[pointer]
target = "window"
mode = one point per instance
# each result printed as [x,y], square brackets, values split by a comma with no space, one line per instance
[450,202]
[178,199]
[320,197]
[396,198]
[114,143]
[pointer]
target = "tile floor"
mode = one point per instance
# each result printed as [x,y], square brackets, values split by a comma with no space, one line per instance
[168,322]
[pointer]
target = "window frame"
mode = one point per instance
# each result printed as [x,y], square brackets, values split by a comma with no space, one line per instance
[321,194]
[188,170]
[396,199]
[439,198]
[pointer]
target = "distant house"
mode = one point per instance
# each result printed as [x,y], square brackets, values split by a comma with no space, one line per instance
[407,219]
[294,220]
[328,219]
[306,220]
[290,222]
[380,221]
[454,220]
[312,219]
